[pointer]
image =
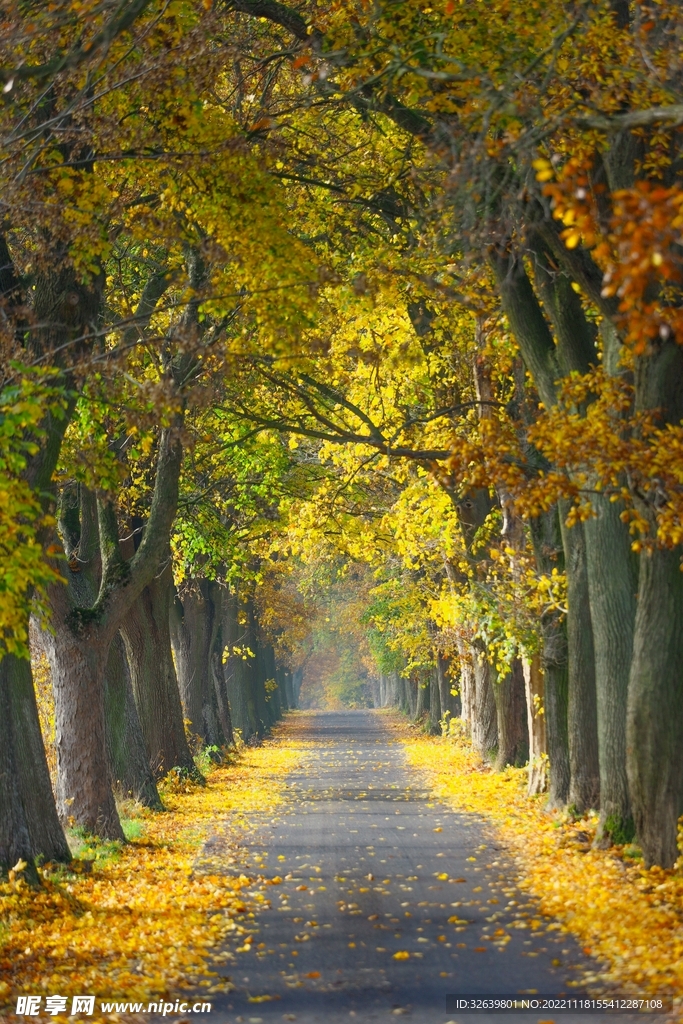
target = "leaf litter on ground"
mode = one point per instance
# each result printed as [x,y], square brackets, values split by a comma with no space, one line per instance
[627,918]
[141,920]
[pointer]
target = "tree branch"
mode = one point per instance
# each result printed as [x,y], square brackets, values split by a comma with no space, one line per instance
[635,119]
[126,15]
[276,12]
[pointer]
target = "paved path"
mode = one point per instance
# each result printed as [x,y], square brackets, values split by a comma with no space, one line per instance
[374,866]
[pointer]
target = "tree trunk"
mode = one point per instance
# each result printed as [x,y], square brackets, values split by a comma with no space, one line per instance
[190,621]
[421,698]
[272,690]
[281,680]
[549,555]
[91,671]
[29,825]
[612,585]
[556,681]
[392,690]
[404,691]
[533,684]
[297,680]
[467,686]
[84,784]
[484,714]
[257,673]
[377,691]
[220,721]
[63,307]
[435,713]
[236,670]
[47,836]
[655,707]
[289,687]
[655,699]
[146,634]
[448,701]
[128,761]
[511,717]
[196,639]
[582,715]
[77,664]
[244,722]
[15,841]
[412,687]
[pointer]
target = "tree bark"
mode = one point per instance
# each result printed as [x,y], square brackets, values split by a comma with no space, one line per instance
[281,680]
[582,712]
[655,708]
[556,681]
[447,700]
[511,718]
[422,687]
[147,637]
[467,685]
[435,713]
[404,691]
[220,702]
[257,673]
[236,669]
[85,796]
[190,630]
[196,631]
[548,552]
[289,689]
[15,841]
[413,696]
[111,722]
[272,690]
[29,825]
[484,722]
[297,680]
[128,761]
[655,699]
[612,584]
[533,684]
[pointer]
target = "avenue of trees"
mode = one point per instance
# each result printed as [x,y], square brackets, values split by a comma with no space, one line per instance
[345,326]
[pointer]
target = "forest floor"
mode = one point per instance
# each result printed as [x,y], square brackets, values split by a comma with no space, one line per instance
[137,922]
[256,893]
[627,918]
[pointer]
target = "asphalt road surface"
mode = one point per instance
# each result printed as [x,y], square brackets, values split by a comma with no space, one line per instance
[373,866]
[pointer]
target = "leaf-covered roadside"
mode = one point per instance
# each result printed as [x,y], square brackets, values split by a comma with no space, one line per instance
[140,921]
[626,917]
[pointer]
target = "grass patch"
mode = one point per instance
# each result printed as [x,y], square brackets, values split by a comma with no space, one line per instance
[87,847]
[133,828]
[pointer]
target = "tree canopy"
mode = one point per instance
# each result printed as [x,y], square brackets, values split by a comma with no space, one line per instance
[349,328]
